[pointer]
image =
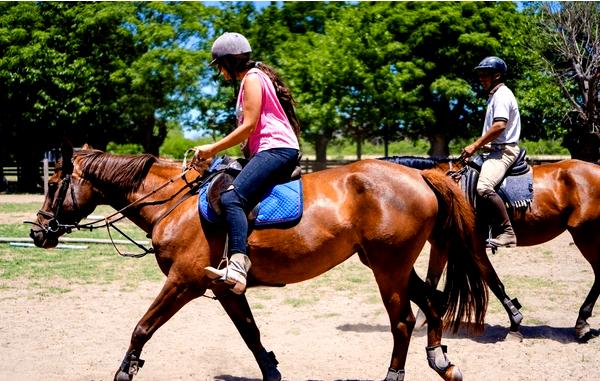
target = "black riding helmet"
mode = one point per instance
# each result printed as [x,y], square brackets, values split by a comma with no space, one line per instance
[494,64]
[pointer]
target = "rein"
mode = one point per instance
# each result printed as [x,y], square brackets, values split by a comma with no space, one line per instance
[456,175]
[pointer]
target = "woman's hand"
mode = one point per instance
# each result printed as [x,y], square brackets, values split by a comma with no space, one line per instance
[205,151]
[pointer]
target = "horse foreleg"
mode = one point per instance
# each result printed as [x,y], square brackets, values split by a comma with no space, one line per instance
[427,298]
[171,298]
[240,314]
[393,288]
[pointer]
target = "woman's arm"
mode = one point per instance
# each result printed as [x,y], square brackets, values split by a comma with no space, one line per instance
[252,108]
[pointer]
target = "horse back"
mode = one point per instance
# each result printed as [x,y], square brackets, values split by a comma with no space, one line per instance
[566,195]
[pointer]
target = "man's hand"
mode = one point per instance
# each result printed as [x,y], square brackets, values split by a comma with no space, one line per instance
[469,150]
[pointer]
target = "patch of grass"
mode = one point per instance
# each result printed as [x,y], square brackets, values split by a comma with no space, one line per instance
[327,315]
[98,264]
[53,291]
[28,207]
[300,302]
[547,253]
[531,282]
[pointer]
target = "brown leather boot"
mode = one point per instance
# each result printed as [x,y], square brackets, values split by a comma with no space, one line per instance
[235,273]
[507,237]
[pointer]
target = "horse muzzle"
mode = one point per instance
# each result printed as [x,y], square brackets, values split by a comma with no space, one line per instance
[43,238]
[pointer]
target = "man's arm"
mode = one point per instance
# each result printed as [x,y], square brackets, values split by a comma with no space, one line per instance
[496,130]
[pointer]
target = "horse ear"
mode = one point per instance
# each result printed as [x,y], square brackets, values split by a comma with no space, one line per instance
[67,154]
[66,149]
[87,147]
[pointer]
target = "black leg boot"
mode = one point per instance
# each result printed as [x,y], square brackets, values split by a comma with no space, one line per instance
[507,237]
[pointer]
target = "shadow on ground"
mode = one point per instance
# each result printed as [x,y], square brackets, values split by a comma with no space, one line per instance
[491,334]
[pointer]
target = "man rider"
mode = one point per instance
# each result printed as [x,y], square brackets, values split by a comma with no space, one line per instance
[500,136]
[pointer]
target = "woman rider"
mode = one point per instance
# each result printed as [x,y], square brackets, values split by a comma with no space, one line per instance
[267,129]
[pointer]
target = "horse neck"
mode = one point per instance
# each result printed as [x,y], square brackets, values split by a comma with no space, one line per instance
[149,207]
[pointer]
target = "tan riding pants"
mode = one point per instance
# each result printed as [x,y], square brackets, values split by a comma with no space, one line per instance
[495,166]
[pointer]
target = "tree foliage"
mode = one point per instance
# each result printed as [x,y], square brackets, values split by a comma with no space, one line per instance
[95,72]
[126,73]
[569,44]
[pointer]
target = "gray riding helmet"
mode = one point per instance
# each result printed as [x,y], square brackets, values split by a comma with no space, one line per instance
[229,43]
[493,63]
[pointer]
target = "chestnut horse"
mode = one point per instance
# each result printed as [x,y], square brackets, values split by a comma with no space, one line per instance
[383,212]
[566,197]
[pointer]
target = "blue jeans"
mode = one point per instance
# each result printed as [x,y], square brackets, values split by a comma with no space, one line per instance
[264,170]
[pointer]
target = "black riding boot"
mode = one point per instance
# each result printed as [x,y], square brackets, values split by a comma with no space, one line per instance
[507,237]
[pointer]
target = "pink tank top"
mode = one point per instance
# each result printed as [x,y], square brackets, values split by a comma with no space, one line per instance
[273,129]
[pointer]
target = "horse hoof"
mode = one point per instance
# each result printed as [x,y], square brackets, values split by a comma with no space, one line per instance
[273,376]
[582,332]
[122,376]
[515,336]
[421,321]
[453,373]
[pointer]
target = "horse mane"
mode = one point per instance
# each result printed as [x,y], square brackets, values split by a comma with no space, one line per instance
[416,162]
[124,171]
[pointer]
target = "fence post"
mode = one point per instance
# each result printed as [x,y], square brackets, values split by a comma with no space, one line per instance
[45,176]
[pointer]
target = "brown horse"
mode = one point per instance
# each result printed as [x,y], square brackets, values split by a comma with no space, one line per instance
[383,212]
[566,197]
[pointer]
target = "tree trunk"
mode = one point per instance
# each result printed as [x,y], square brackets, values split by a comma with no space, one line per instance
[29,180]
[359,147]
[583,145]
[152,141]
[386,140]
[439,146]
[321,152]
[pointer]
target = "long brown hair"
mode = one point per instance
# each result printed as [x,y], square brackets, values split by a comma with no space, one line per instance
[239,62]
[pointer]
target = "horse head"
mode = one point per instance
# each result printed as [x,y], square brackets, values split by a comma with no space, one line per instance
[88,178]
[70,198]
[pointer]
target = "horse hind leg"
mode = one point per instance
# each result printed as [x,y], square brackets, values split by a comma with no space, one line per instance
[426,297]
[171,299]
[591,252]
[238,310]
[437,261]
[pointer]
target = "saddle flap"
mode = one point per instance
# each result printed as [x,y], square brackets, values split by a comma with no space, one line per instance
[217,186]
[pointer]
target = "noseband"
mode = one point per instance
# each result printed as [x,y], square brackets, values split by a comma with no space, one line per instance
[54,226]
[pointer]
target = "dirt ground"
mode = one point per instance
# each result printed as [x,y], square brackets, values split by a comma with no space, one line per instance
[327,334]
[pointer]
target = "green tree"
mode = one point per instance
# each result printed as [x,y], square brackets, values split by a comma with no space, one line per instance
[95,72]
[440,43]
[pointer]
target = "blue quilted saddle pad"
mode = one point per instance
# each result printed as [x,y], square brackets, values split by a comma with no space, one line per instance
[282,205]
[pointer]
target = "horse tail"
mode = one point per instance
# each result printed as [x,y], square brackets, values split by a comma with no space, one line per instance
[465,294]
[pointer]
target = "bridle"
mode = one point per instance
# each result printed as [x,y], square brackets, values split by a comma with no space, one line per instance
[54,226]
